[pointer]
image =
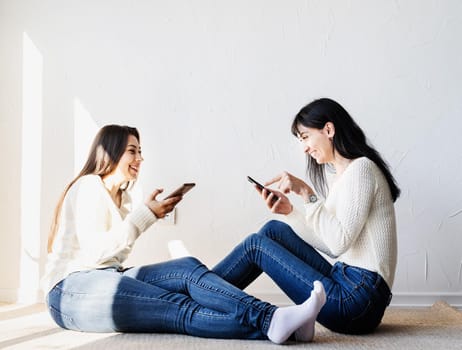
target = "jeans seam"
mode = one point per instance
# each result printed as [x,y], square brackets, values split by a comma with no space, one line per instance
[261,308]
[209,288]
[63,291]
[125,294]
[62,314]
[232,267]
[285,266]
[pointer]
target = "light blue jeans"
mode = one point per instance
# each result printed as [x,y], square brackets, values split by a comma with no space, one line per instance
[177,296]
[356,297]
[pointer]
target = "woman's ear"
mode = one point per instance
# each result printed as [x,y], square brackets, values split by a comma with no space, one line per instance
[329,129]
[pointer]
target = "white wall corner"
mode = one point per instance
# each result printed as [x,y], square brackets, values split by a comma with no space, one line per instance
[8,295]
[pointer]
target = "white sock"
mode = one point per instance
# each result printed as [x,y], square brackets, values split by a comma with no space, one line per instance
[287,320]
[318,298]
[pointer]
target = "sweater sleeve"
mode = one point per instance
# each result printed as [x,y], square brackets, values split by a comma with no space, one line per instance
[339,225]
[297,221]
[101,232]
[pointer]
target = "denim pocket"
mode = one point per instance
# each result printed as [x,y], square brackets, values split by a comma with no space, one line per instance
[357,277]
[364,303]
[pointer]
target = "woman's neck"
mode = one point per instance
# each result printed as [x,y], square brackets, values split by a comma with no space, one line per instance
[340,164]
[113,185]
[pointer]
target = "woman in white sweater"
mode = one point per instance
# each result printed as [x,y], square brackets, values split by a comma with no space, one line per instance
[349,217]
[98,220]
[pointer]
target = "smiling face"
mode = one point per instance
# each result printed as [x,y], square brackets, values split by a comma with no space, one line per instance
[130,162]
[317,142]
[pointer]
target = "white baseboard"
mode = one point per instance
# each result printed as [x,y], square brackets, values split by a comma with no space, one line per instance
[21,296]
[404,300]
[412,300]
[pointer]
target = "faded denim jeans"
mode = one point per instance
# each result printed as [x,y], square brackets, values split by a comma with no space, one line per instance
[356,298]
[177,296]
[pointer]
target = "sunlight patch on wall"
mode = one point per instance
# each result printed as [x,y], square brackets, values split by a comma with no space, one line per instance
[85,129]
[31,170]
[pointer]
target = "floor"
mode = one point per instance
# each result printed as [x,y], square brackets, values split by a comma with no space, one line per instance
[439,327]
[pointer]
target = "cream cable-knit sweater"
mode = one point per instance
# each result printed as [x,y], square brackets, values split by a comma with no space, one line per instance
[356,222]
[93,232]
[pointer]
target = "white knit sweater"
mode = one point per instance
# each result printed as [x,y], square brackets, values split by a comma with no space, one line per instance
[356,222]
[93,232]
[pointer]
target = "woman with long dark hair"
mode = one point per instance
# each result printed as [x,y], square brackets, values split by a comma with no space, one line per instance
[96,223]
[349,216]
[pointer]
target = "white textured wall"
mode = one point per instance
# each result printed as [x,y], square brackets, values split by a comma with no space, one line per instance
[213,87]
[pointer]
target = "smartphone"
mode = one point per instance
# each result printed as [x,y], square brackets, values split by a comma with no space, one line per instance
[261,187]
[180,191]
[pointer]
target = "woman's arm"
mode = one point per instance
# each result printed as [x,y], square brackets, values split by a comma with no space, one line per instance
[288,183]
[101,232]
[297,221]
[339,226]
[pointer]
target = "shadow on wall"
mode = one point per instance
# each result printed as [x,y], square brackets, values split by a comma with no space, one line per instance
[31,249]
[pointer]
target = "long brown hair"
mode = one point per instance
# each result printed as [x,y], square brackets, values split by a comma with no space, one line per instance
[105,152]
[349,140]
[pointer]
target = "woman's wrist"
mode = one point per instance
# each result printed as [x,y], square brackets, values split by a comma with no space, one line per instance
[306,193]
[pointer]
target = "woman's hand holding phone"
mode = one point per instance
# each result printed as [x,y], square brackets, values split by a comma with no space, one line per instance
[183,189]
[262,189]
[276,201]
[280,206]
[160,208]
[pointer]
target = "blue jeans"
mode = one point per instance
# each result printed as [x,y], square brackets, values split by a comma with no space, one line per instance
[356,298]
[177,296]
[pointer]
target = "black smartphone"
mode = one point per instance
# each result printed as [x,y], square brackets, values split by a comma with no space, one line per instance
[180,191]
[261,187]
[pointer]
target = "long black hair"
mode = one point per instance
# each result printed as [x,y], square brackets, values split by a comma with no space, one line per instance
[108,147]
[349,141]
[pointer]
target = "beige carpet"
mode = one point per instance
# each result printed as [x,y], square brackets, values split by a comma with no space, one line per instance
[438,327]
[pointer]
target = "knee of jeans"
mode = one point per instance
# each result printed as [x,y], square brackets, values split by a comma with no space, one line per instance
[252,240]
[272,227]
[191,262]
[191,265]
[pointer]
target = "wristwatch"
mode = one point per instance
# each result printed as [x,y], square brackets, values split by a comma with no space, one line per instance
[312,198]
